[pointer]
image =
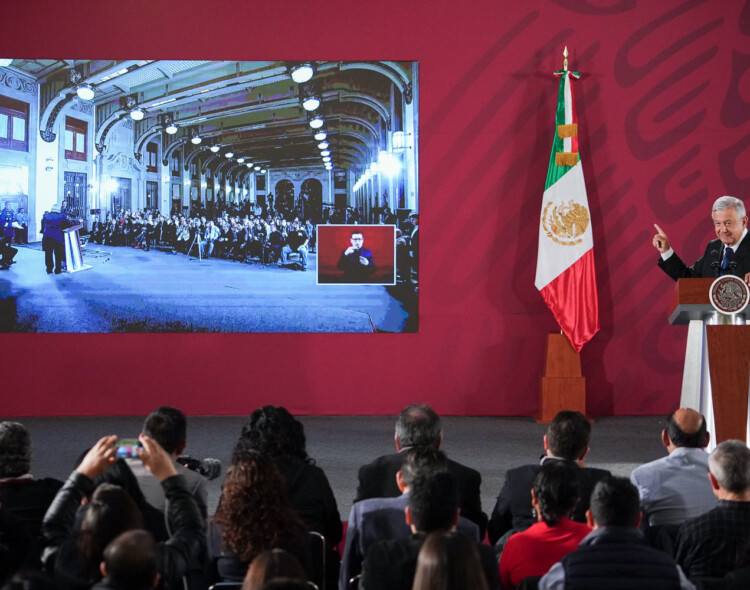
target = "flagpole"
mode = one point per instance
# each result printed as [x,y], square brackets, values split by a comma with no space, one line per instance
[565,262]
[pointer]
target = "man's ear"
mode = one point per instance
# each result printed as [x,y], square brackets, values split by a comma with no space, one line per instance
[708,439]
[665,440]
[714,482]
[400,481]
[103,569]
[440,442]
[640,519]
[398,444]
[546,443]
[458,517]
[586,452]
[407,515]
[590,520]
[180,449]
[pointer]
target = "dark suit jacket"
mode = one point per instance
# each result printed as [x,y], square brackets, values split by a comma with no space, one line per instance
[391,565]
[53,223]
[677,269]
[381,519]
[378,480]
[513,508]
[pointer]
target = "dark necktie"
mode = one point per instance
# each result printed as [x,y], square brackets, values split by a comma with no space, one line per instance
[725,262]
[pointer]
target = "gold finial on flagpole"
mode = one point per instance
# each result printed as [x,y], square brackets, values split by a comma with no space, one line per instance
[565,59]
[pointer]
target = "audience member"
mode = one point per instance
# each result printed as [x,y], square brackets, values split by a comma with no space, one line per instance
[75,555]
[433,506]
[708,546]
[24,499]
[279,436]
[130,563]
[615,554]
[119,474]
[380,519]
[449,561]
[419,425]
[253,516]
[168,427]
[271,565]
[676,487]
[567,439]
[532,552]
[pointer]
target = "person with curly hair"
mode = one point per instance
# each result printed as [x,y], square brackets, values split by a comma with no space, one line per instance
[275,433]
[253,516]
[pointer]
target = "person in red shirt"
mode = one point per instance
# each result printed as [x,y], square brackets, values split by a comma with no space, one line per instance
[532,552]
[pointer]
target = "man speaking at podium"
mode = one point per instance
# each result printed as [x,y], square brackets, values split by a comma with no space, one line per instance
[727,255]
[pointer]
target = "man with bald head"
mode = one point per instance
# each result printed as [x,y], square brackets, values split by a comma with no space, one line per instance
[676,488]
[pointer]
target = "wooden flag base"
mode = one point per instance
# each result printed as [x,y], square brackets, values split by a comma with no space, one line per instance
[562,385]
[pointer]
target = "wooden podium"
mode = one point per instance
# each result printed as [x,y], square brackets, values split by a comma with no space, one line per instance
[716,378]
[562,386]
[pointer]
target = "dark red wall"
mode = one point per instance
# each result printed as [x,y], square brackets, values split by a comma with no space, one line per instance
[664,108]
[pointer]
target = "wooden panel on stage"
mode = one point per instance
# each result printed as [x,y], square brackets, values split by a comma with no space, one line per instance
[690,301]
[729,360]
[562,385]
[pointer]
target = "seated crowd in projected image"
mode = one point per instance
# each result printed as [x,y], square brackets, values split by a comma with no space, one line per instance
[142,522]
[244,232]
[232,232]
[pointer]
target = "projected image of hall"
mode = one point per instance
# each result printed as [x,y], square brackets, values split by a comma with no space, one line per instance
[187,196]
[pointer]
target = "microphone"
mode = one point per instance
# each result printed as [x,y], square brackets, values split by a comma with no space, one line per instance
[208,468]
[715,262]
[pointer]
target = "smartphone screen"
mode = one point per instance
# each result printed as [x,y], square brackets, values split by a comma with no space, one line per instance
[127,448]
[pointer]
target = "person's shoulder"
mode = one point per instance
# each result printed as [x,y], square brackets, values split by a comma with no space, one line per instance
[461,470]
[596,473]
[382,462]
[522,471]
[646,469]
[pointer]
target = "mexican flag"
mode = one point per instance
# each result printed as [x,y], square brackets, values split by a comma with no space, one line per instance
[565,273]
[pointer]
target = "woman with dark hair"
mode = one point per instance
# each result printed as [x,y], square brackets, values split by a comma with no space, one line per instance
[449,561]
[275,433]
[119,474]
[253,516]
[271,565]
[532,552]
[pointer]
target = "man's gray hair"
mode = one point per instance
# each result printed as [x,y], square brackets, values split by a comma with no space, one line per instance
[418,425]
[723,203]
[729,463]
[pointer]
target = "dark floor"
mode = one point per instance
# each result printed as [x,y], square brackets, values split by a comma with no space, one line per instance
[128,290]
[340,444]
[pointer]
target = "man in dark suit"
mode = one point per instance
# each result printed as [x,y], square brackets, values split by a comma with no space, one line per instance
[567,439]
[52,243]
[432,506]
[419,425]
[381,519]
[728,254]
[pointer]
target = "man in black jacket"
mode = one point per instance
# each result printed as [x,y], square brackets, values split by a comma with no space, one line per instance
[567,439]
[186,546]
[419,425]
[728,254]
